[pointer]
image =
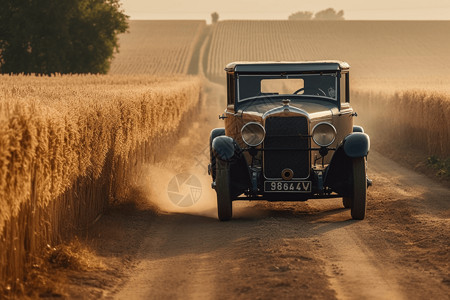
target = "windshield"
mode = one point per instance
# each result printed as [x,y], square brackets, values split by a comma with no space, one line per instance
[323,85]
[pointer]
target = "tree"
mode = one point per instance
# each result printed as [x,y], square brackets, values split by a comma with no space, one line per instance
[329,14]
[53,36]
[301,15]
[214,17]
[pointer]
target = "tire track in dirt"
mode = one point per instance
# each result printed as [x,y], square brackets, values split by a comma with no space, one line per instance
[168,267]
[355,271]
[401,249]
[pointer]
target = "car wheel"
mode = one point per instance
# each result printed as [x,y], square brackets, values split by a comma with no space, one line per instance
[224,201]
[359,192]
[347,201]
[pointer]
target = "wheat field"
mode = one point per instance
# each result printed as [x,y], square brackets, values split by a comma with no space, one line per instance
[380,53]
[415,119]
[157,47]
[68,145]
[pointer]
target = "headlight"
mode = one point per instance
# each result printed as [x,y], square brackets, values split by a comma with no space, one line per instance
[324,134]
[253,134]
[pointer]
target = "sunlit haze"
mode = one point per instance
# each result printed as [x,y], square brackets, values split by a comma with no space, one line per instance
[268,9]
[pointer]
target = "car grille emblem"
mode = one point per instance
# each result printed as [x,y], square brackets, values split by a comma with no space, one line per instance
[286,104]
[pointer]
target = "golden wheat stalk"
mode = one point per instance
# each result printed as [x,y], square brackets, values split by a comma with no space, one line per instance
[55,130]
[67,143]
[417,119]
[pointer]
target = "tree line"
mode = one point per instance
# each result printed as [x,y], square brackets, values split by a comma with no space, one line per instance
[326,14]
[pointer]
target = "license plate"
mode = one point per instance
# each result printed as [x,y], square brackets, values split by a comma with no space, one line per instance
[288,186]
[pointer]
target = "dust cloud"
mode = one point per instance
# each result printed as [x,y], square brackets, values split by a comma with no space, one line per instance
[185,191]
[180,182]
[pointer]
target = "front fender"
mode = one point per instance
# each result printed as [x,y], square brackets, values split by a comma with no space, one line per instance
[338,172]
[212,159]
[225,148]
[356,144]
[215,133]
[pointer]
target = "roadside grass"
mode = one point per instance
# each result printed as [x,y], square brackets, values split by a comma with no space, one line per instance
[412,127]
[441,165]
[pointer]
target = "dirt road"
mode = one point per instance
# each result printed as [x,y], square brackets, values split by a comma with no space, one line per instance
[305,250]
[289,250]
[165,248]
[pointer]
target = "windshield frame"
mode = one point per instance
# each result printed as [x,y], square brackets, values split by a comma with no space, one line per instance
[287,76]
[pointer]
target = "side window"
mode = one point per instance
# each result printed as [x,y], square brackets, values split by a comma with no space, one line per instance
[230,89]
[344,86]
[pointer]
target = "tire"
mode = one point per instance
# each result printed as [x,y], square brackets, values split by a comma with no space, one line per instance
[347,201]
[359,191]
[224,201]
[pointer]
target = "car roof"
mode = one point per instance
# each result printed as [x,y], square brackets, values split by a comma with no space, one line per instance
[286,66]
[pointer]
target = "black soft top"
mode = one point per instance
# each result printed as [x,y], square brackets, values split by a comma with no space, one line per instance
[286,66]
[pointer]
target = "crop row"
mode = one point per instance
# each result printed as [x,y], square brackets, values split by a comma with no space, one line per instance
[157,47]
[391,50]
[415,120]
[68,145]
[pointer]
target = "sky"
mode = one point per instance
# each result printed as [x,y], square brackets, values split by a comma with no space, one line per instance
[281,9]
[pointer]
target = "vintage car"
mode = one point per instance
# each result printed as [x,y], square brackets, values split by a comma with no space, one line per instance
[289,136]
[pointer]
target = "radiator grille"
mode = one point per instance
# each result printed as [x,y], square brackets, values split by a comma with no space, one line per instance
[286,133]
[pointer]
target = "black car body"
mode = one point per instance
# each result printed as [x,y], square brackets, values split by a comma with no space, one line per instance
[289,136]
